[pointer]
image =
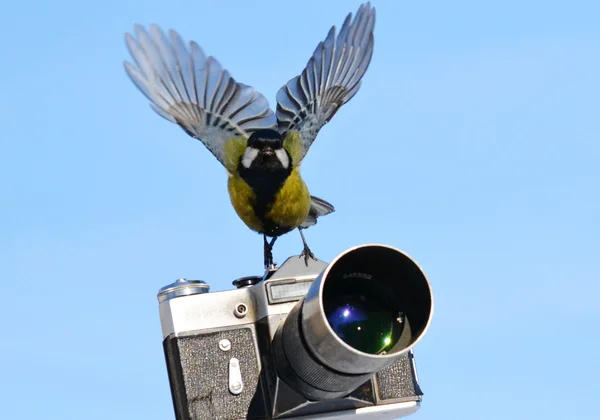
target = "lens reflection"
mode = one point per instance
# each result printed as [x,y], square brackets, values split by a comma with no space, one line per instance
[363,323]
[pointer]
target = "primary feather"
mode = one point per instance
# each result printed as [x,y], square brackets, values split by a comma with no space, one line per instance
[331,78]
[190,89]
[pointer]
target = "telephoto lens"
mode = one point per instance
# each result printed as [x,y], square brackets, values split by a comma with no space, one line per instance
[367,308]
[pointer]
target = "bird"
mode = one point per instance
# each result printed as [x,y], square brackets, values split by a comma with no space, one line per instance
[261,150]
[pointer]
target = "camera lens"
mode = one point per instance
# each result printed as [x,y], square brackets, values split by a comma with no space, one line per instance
[366,309]
[364,322]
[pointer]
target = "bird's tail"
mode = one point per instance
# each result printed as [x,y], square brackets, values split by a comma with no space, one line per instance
[318,208]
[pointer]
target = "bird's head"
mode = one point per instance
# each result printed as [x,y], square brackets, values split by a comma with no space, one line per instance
[265,151]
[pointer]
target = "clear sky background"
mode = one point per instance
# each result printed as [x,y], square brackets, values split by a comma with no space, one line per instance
[473,145]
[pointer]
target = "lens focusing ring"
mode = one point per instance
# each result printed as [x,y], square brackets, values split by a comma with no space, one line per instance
[302,371]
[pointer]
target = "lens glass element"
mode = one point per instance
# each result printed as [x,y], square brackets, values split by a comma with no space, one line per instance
[364,322]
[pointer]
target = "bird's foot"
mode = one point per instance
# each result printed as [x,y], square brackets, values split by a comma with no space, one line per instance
[268,260]
[307,253]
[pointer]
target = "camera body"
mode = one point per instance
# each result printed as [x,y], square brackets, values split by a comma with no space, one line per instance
[226,361]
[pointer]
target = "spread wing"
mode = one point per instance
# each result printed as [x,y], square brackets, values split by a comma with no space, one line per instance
[331,78]
[190,89]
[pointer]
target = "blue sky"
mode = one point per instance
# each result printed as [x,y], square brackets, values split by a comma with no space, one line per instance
[472,145]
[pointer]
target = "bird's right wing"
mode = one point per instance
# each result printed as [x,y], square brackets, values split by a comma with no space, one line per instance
[331,78]
[192,90]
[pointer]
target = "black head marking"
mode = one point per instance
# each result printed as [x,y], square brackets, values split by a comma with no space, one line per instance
[260,139]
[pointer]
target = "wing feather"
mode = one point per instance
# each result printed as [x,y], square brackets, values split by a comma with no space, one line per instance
[194,91]
[330,79]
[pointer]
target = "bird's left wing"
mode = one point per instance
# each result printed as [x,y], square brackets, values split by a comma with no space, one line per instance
[331,78]
[190,89]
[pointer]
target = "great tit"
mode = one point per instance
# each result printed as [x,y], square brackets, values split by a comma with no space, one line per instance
[261,150]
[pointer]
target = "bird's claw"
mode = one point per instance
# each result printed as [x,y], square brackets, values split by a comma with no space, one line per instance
[307,253]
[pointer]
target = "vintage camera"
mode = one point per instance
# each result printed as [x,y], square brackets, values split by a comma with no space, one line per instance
[318,341]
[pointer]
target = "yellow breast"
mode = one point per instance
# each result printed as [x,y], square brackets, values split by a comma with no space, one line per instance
[242,198]
[292,203]
[288,210]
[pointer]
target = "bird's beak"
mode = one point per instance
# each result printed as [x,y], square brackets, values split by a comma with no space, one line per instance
[268,151]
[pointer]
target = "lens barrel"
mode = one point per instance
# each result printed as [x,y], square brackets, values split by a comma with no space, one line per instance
[368,307]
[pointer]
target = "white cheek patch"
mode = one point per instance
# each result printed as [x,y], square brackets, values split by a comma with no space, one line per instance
[249,156]
[283,157]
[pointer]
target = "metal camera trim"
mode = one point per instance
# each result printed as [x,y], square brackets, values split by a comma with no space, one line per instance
[324,342]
